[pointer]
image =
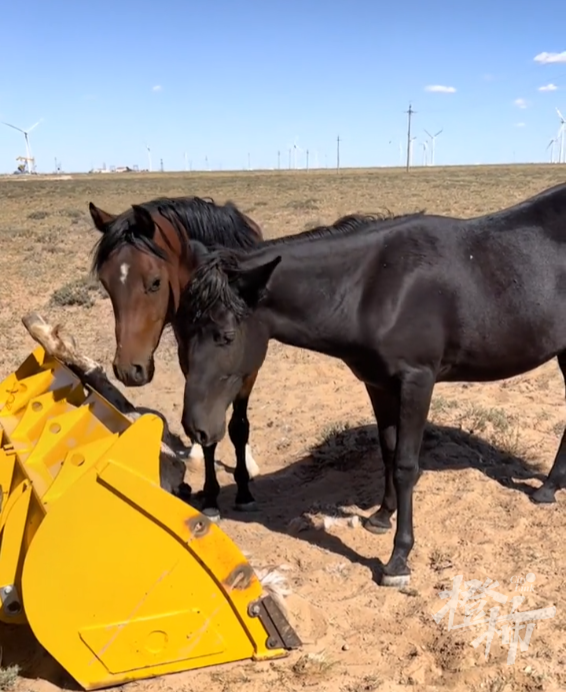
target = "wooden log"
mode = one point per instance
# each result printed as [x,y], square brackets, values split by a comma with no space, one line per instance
[63,346]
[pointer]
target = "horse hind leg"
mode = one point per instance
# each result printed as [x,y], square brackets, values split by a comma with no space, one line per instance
[383,405]
[556,479]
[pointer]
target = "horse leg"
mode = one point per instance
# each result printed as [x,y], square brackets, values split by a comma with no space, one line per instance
[251,464]
[415,395]
[384,408]
[239,431]
[196,451]
[211,488]
[556,479]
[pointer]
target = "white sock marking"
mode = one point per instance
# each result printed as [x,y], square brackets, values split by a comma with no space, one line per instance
[196,452]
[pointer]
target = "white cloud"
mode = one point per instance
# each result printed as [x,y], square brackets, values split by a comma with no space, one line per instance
[520,125]
[157,87]
[520,103]
[547,58]
[548,87]
[439,89]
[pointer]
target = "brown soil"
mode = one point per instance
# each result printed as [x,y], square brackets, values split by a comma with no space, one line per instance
[315,441]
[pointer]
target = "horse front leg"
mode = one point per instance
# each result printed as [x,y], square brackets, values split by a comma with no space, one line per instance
[239,431]
[211,488]
[415,396]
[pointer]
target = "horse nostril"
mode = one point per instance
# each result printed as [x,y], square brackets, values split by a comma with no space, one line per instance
[138,372]
[202,437]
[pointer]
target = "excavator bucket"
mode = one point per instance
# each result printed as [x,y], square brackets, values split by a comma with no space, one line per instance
[118,579]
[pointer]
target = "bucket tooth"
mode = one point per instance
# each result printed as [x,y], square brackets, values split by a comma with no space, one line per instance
[117,579]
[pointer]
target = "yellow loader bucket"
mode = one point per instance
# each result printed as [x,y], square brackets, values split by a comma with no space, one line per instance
[118,579]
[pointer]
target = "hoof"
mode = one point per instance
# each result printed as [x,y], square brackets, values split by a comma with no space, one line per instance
[543,496]
[246,507]
[374,525]
[396,581]
[213,514]
[184,492]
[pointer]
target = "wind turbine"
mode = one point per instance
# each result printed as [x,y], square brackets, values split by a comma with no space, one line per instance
[315,159]
[550,146]
[424,145]
[26,136]
[148,155]
[296,148]
[432,140]
[560,137]
[411,150]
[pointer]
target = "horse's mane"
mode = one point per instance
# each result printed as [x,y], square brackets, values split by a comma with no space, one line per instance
[205,221]
[210,285]
[210,282]
[350,223]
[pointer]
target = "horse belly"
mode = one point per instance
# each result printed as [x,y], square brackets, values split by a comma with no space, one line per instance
[506,345]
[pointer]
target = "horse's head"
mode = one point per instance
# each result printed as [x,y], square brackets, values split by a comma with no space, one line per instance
[221,341]
[139,269]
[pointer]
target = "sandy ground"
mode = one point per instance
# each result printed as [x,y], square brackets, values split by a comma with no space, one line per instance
[315,441]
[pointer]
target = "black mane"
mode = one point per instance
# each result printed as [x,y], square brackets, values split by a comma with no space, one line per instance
[207,222]
[210,285]
[344,225]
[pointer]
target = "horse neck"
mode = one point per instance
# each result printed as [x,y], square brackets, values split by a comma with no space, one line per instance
[309,294]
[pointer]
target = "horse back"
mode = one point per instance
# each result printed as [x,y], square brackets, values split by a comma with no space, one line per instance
[470,299]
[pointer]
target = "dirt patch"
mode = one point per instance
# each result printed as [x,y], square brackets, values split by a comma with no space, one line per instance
[486,447]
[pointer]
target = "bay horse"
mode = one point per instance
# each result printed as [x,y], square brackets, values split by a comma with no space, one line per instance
[143,261]
[404,304]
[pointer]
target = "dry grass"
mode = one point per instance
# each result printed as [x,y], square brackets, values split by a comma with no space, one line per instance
[315,439]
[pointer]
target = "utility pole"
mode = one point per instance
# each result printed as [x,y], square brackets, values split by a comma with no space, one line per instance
[338,151]
[410,113]
[289,159]
[307,159]
[278,160]
[249,163]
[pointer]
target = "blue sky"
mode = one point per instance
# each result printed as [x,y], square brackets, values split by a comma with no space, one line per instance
[221,80]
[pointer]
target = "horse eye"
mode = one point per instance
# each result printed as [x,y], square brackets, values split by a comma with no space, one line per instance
[224,338]
[154,286]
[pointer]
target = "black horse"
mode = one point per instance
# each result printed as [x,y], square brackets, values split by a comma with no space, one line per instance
[405,303]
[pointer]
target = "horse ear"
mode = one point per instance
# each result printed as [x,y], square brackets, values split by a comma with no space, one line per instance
[100,218]
[251,283]
[144,222]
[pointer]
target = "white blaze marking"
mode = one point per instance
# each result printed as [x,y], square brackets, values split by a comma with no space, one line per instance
[124,269]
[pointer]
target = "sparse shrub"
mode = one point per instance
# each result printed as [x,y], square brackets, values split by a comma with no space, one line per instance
[83,292]
[72,213]
[38,215]
[315,223]
[303,205]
